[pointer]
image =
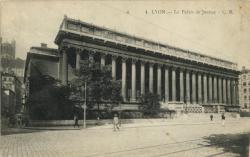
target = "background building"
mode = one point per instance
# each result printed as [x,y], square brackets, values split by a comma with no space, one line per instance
[11,93]
[40,61]
[244,89]
[12,88]
[10,64]
[8,49]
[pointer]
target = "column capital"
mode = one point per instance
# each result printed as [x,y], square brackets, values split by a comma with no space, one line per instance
[143,62]
[134,60]
[182,69]
[166,66]
[186,70]
[160,65]
[64,49]
[114,57]
[205,74]
[194,72]
[78,50]
[151,63]
[103,54]
[174,67]
[124,59]
[91,53]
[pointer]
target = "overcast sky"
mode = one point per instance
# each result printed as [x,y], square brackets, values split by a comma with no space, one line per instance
[223,33]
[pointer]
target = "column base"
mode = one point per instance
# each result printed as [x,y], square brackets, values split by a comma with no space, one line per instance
[133,100]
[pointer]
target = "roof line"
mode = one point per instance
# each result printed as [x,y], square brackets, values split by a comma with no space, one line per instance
[143,38]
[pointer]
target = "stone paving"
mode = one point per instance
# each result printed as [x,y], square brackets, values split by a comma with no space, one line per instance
[152,139]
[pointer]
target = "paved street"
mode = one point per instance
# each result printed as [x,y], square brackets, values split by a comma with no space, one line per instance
[152,139]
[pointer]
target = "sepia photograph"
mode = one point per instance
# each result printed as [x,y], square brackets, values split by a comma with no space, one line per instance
[125,78]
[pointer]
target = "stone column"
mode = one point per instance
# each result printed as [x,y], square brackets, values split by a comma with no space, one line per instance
[228,92]
[78,57]
[166,85]
[173,84]
[187,87]
[103,55]
[224,91]
[199,89]
[233,92]
[114,67]
[159,80]
[194,101]
[220,90]
[237,92]
[133,98]
[181,86]
[124,84]
[210,94]
[60,66]
[205,88]
[142,78]
[64,67]
[151,74]
[215,90]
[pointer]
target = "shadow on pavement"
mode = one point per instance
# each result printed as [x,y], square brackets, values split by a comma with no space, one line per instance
[233,143]
[12,131]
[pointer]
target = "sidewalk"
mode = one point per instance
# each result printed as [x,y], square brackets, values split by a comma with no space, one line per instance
[146,123]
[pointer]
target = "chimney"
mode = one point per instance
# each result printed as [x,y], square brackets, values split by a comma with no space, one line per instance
[44,45]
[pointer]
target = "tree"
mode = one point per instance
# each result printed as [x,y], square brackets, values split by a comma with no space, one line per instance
[101,89]
[49,99]
[149,104]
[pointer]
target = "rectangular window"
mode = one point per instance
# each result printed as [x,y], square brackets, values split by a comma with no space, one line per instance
[245,90]
[244,83]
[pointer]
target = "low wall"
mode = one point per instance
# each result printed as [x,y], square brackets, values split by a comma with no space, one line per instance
[88,122]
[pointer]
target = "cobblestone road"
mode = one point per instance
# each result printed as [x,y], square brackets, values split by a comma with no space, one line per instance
[137,141]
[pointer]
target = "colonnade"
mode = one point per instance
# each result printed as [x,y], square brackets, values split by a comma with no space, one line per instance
[191,86]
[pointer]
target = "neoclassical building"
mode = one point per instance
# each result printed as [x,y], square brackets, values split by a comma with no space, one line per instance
[180,77]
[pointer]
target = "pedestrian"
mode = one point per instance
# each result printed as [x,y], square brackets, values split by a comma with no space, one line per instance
[19,121]
[76,121]
[116,122]
[211,117]
[223,118]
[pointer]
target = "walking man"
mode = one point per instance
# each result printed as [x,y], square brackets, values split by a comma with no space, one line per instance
[76,121]
[223,119]
[211,117]
[116,122]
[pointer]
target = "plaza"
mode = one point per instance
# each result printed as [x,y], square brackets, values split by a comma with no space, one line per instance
[150,138]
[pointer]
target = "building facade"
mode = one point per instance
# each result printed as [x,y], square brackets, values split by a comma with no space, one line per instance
[12,92]
[244,89]
[40,61]
[180,77]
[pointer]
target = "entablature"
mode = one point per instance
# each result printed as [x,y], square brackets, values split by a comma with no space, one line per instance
[202,68]
[94,32]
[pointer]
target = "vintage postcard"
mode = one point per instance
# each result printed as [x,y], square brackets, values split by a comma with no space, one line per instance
[125,78]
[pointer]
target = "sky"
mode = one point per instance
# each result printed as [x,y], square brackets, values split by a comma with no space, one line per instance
[217,28]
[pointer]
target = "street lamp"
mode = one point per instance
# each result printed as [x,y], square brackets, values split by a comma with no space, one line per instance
[85,103]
